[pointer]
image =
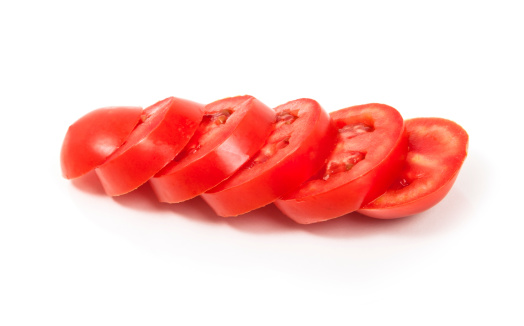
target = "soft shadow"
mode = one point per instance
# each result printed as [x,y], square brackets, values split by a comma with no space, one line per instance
[474,178]
[196,209]
[89,183]
[352,225]
[451,213]
[445,216]
[143,198]
[358,225]
[270,220]
[267,219]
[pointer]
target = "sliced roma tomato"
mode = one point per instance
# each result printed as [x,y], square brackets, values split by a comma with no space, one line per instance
[303,136]
[437,149]
[165,129]
[232,130]
[369,153]
[92,138]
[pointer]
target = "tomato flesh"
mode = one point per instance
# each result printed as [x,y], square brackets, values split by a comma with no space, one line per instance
[437,150]
[232,130]
[165,129]
[95,136]
[369,153]
[303,136]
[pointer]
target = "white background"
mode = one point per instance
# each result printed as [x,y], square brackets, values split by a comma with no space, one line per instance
[69,255]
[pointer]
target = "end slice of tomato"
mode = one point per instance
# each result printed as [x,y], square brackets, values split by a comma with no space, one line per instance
[437,150]
[302,138]
[232,130]
[165,129]
[94,137]
[369,153]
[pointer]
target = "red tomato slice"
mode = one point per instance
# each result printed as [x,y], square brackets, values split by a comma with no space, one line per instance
[303,136]
[165,129]
[369,154]
[437,149]
[92,138]
[232,130]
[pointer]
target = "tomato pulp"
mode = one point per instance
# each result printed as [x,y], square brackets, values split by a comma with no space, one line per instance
[369,153]
[437,150]
[303,136]
[92,138]
[232,130]
[165,129]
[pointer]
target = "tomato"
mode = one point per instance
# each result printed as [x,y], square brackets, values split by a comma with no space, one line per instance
[371,147]
[437,149]
[303,136]
[232,130]
[92,138]
[165,129]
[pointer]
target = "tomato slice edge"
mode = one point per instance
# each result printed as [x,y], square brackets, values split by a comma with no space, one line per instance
[216,163]
[348,192]
[91,139]
[232,198]
[151,146]
[392,208]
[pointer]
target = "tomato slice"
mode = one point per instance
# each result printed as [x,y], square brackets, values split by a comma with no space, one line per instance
[303,136]
[437,149]
[232,130]
[92,138]
[165,129]
[369,154]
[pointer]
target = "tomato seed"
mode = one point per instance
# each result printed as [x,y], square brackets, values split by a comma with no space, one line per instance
[220,117]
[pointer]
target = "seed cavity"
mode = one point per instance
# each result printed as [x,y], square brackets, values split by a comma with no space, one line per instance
[219,117]
[278,140]
[355,129]
[269,151]
[209,122]
[348,161]
[287,116]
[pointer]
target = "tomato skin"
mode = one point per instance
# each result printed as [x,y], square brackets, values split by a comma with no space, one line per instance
[254,187]
[92,138]
[412,208]
[168,126]
[438,148]
[320,200]
[241,136]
